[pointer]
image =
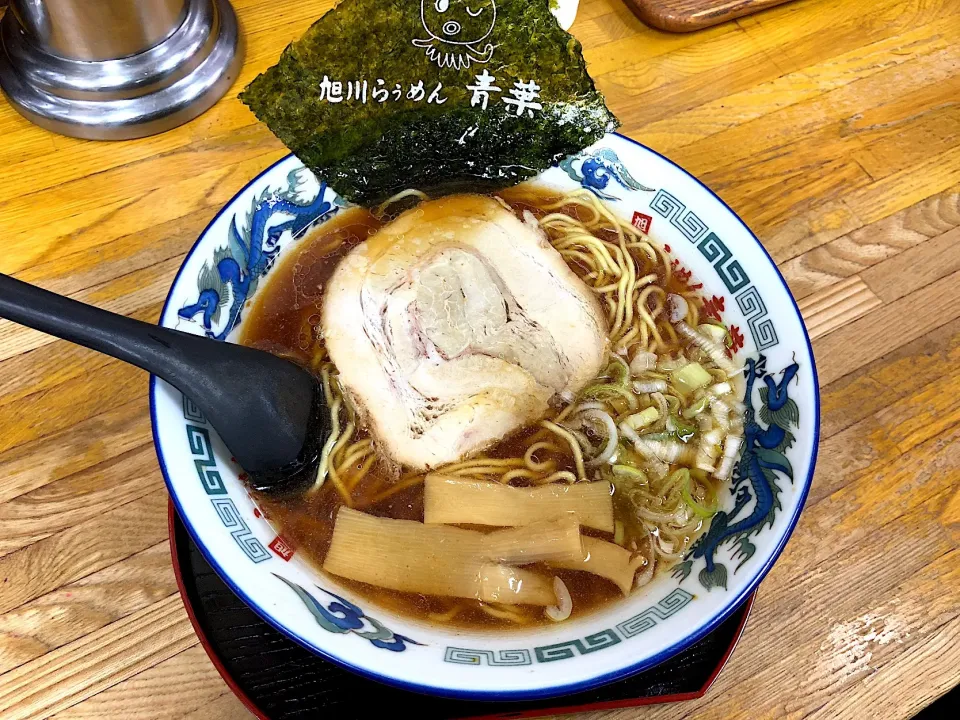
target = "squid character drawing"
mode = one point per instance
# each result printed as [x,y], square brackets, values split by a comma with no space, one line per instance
[456,30]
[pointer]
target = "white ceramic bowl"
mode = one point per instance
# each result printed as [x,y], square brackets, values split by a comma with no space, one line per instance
[220,274]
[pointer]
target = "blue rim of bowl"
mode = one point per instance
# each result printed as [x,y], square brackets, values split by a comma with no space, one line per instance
[539,693]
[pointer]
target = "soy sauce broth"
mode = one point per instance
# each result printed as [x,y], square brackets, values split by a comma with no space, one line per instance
[284,319]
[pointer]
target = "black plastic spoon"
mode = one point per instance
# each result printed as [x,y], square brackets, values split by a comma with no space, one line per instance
[269,412]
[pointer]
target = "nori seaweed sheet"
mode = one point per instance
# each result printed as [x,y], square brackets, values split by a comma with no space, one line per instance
[367,151]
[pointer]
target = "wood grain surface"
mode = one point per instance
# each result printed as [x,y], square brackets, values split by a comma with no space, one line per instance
[831,126]
[690,15]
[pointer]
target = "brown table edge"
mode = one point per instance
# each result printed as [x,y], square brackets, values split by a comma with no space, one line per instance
[662,14]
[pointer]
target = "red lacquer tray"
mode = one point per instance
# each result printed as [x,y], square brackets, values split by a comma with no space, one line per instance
[278,679]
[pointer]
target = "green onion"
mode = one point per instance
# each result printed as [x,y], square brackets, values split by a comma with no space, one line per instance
[684,431]
[618,371]
[628,471]
[698,407]
[699,475]
[697,508]
[608,391]
[673,402]
[721,388]
[714,330]
[690,377]
[627,455]
[718,331]
[658,436]
[642,418]
[681,477]
[668,364]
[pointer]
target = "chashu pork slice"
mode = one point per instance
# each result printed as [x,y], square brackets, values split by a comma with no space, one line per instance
[455,325]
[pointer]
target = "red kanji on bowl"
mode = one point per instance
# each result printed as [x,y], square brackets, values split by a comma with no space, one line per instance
[282,547]
[642,222]
[736,338]
[713,307]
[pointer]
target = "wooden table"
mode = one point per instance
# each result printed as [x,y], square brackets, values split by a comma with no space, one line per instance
[833,130]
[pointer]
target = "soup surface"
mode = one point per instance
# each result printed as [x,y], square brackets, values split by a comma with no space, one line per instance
[285,319]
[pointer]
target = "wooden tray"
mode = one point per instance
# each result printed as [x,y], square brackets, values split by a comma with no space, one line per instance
[689,15]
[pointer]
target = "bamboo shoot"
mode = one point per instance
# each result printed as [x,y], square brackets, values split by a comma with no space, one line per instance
[557,539]
[606,560]
[409,556]
[515,586]
[457,501]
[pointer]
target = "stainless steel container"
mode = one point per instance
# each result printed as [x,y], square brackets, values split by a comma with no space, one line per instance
[117,69]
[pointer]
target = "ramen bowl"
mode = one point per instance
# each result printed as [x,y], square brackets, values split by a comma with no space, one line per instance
[743,289]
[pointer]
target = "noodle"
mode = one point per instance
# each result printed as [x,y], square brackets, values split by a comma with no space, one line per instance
[456,609]
[410,192]
[532,464]
[574,445]
[594,240]
[559,476]
[618,430]
[506,612]
[403,485]
[518,474]
[635,271]
[361,472]
[359,449]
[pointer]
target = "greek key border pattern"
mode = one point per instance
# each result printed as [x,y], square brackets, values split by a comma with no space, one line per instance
[731,272]
[493,658]
[761,326]
[566,650]
[669,605]
[191,412]
[686,221]
[239,530]
[645,620]
[201,448]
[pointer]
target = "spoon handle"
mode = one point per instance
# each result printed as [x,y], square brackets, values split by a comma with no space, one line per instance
[147,346]
[260,404]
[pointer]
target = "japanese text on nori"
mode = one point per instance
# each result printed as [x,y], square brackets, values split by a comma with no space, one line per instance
[382,95]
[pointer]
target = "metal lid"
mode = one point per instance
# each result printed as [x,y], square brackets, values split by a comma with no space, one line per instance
[162,86]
